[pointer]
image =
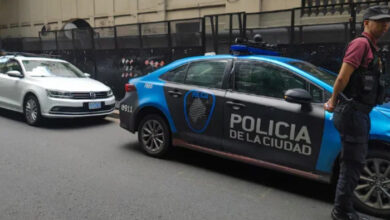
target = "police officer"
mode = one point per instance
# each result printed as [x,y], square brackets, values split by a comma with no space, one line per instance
[358,88]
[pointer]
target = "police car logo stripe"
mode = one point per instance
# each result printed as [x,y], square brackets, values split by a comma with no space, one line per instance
[198,109]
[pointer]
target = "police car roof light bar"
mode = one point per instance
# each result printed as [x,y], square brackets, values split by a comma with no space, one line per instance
[240,49]
[253,47]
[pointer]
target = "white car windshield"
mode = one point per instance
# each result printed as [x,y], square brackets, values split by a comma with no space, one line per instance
[46,68]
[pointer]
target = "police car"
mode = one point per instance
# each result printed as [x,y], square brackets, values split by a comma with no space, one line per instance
[263,110]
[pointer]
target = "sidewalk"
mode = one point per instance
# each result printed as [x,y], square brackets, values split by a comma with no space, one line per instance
[115,114]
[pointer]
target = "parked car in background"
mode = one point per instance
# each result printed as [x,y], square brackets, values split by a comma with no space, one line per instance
[42,87]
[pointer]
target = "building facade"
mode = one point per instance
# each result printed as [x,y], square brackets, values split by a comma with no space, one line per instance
[26,18]
[115,40]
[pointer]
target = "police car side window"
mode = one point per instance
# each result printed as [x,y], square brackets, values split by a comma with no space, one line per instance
[265,79]
[327,95]
[176,75]
[247,79]
[206,73]
[317,94]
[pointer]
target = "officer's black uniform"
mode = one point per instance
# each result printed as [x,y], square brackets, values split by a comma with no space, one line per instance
[351,118]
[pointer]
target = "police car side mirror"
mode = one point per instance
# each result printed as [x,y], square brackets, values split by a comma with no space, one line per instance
[299,96]
[87,75]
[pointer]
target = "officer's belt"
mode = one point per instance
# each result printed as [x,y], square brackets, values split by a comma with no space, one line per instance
[362,107]
[357,105]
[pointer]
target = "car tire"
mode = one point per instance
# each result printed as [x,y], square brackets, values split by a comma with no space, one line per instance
[154,136]
[32,111]
[372,195]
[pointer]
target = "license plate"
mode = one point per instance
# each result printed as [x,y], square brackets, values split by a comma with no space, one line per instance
[94,105]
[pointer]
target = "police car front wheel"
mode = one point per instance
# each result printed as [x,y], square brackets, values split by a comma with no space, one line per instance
[154,135]
[372,194]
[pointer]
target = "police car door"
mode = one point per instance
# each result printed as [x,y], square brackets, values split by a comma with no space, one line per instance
[260,124]
[196,101]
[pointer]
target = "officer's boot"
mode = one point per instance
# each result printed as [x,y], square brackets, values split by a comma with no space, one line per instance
[340,215]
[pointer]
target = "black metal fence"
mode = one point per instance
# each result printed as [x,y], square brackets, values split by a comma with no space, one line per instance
[113,55]
[336,6]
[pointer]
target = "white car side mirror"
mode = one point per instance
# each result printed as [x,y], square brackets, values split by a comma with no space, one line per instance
[87,75]
[15,73]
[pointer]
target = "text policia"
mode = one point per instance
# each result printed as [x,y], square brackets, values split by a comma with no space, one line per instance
[280,135]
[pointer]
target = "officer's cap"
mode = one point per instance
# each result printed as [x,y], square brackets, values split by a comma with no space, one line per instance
[376,13]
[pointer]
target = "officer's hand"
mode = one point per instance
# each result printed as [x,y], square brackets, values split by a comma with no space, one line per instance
[329,105]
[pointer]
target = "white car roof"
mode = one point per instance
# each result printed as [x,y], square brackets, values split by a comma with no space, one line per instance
[21,58]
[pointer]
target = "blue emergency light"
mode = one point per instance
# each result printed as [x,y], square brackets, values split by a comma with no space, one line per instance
[241,49]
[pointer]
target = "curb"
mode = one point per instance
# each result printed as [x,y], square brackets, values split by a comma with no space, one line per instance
[114,114]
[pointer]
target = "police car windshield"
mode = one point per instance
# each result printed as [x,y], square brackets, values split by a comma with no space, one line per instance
[322,74]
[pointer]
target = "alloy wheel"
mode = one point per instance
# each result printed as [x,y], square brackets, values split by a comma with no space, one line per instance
[31,110]
[374,185]
[152,136]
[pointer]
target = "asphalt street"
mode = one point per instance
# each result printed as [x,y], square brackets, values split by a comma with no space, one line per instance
[93,169]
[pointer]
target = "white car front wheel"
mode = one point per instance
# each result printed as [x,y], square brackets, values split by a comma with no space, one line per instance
[32,111]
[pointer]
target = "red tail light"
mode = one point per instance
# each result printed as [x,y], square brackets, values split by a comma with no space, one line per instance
[129,87]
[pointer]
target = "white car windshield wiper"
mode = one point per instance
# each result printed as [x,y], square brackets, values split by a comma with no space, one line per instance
[40,75]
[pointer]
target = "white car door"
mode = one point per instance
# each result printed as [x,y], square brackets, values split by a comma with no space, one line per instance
[3,61]
[10,87]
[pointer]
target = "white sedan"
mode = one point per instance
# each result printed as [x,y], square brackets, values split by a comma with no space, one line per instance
[51,88]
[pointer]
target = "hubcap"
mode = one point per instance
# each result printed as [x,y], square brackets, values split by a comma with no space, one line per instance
[152,135]
[373,188]
[31,110]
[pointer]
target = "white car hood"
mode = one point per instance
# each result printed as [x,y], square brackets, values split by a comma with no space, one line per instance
[70,84]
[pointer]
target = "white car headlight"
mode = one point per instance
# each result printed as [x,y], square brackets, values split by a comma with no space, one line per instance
[59,94]
[110,93]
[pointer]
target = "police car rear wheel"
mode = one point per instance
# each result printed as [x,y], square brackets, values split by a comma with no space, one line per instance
[372,195]
[154,135]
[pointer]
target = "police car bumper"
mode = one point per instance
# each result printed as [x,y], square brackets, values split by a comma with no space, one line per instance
[127,112]
[127,121]
[70,108]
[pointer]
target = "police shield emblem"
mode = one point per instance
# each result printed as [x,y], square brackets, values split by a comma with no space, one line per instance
[198,109]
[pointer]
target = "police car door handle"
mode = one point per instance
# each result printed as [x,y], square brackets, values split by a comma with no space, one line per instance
[236,105]
[175,93]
